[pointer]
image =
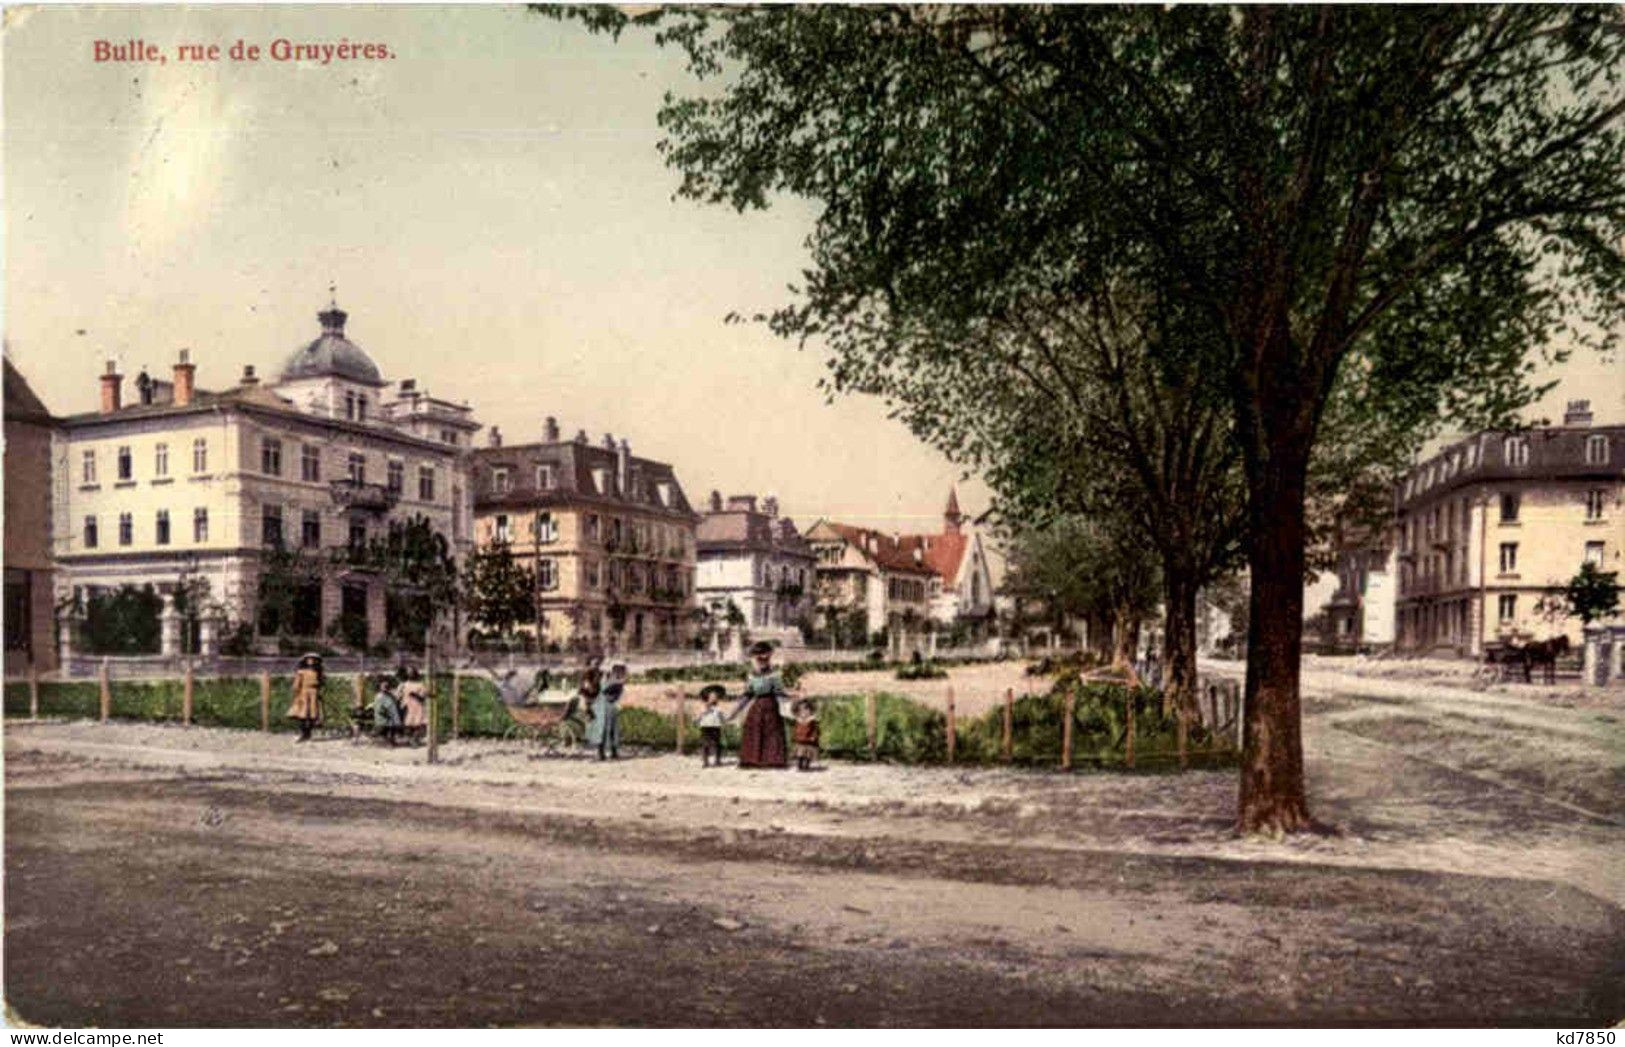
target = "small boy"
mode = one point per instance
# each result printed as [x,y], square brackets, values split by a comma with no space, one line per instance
[386,711]
[806,734]
[710,724]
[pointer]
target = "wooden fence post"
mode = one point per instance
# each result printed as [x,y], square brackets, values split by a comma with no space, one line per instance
[1066,729]
[1009,717]
[682,718]
[33,692]
[432,739]
[106,692]
[869,720]
[186,695]
[456,702]
[952,739]
[1128,744]
[265,700]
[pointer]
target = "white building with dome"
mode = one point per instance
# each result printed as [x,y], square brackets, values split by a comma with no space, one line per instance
[169,482]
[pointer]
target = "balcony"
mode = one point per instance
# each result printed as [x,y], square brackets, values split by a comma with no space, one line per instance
[363,497]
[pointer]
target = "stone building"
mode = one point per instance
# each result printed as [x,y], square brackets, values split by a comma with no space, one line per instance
[184,486]
[1488,530]
[30,599]
[612,537]
[1360,613]
[757,560]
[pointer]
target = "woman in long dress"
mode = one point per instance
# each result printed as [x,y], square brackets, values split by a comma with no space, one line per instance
[306,707]
[413,700]
[761,741]
[605,729]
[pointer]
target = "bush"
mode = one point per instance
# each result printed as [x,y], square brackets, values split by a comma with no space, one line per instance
[921,671]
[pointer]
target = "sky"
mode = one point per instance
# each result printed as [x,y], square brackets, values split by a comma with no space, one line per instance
[489,203]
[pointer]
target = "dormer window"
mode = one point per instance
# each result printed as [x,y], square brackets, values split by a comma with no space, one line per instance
[1516,450]
[544,477]
[1597,450]
[349,406]
[500,482]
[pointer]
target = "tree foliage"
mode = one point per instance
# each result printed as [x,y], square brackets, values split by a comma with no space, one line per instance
[497,591]
[1592,594]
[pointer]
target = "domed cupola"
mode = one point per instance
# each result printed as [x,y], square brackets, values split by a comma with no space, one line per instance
[332,355]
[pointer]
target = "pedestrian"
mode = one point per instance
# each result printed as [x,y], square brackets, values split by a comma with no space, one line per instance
[605,729]
[761,741]
[710,724]
[386,710]
[806,734]
[414,702]
[306,707]
[592,680]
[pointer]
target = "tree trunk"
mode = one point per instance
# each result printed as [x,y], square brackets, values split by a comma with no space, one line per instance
[1272,794]
[1179,640]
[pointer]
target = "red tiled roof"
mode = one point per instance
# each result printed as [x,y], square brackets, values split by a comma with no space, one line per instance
[883,549]
[943,553]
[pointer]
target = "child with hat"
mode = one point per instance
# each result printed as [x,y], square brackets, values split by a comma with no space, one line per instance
[710,724]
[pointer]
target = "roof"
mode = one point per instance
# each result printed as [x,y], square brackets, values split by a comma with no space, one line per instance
[21,403]
[745,530]
[573,465]
[943,553]
[886,551]
[332,355]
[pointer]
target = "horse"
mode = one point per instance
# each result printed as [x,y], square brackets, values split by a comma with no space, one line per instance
[1544,653]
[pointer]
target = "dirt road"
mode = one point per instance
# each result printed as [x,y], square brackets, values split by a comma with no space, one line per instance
[191,877]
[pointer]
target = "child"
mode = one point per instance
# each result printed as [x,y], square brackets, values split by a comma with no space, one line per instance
[806,734]
[710,724]
[386,711]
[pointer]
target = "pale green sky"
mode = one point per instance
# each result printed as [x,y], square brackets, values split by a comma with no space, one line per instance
[490,204]
[492,208]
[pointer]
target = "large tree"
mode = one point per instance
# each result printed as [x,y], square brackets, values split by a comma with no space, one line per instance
[498,592]
[1397,202]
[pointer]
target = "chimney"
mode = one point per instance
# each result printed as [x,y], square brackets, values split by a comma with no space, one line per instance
[249,377]
[495,437]
[716,501]
[770,505]
[112,388]
[184,372]
[550,430]
[581,437]
[623,466]
[609,441]
[1578,414]
[741,503]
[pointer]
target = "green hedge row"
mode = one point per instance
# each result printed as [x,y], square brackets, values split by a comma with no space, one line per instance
[906,731]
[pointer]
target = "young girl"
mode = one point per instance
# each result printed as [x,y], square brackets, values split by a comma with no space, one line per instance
[414,700]
[386,711]
[806,735]
[710,724]
[306,707]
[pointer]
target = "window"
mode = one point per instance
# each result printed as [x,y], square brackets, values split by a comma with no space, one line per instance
[357,466]
[1594,504]
[592,527]
[125,468]
[616,531]
[1593,554]
[544,477]
[499,481]
[1509,557]
[90,532]
[349,406]
[160,460]
[1597,450]
[448,436]
[161,528]
[1507,607]
[200,455]
[87,467]
[547,574]
[271,456]
[592,576]
[426,483]
[126,529]
[271,525]
[358,534]
[310,529]
[200,525]
[361,408]
[310,463]
[1516,450]
[395,476]
[547,528]
[1509,507]
[499,529]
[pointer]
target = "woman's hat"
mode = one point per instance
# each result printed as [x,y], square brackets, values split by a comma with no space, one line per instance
[713,688]
[760,647]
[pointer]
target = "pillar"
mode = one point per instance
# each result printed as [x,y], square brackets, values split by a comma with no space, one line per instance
[169,629]
[209,636]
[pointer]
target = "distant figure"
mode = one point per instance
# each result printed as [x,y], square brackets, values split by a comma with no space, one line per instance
[605,729]
[761,742]
[386,710]
[710,724]
[414,700]
[806,734]
[306,707]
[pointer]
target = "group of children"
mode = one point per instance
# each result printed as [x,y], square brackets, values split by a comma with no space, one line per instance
[399,710]
[804,734]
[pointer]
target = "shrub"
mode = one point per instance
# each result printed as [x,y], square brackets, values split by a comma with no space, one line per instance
[921,671]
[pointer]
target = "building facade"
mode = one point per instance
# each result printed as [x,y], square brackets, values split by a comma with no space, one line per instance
[1360,613]
[191,491]
[1488,531]
[610,536]
[755,559]
[30,597]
